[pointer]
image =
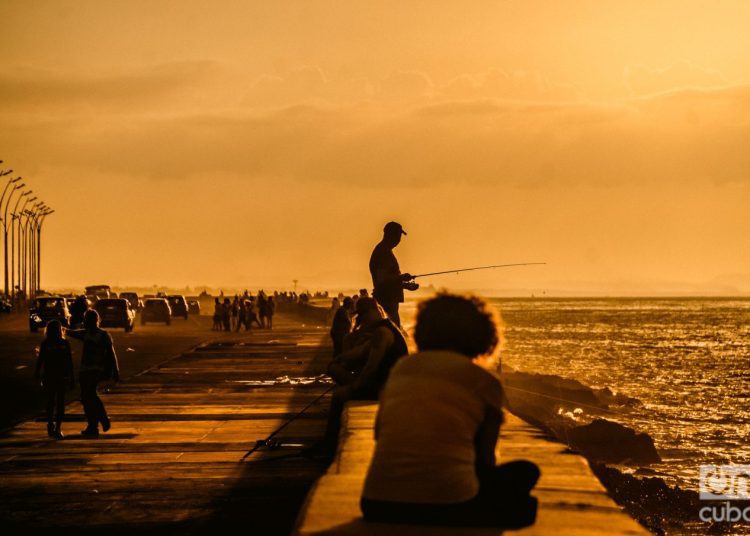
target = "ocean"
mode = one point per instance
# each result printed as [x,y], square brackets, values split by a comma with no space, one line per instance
[686,360]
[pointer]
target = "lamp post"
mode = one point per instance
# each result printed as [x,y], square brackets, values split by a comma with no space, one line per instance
[5,226]
[15,259]
[34,245]
[28,250]
[23,246]
[47,212]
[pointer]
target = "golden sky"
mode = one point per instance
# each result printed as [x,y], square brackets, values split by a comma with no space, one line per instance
[248,144]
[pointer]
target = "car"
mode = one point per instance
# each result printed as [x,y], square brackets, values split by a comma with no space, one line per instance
[5,306]
[115,313]
[179,305]
[194,305]
[135,302]
[48,308]
[156,310]
[97,292]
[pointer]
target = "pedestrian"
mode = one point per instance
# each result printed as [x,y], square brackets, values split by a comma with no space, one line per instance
[235,311]
[262,309]
[98,363]
[270,310]
[217,315]
[242,315]
[54,367]
[226,314]
[252,316]
[388,281]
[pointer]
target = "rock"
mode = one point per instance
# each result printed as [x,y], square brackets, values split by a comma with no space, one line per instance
[611,442]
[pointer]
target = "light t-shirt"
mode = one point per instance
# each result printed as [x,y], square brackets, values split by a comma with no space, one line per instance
[430,412]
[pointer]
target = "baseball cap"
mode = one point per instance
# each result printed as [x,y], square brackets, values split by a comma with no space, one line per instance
[393,227]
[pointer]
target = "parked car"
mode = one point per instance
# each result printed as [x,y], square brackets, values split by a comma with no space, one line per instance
[135,302]
[5,306]
[179,305]
[49,308]
[194,305]
[115,313]
[156,310]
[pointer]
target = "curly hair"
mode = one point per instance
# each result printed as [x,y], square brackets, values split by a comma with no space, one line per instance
[464,324]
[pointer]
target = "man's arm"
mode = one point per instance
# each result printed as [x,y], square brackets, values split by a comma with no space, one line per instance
[382,339]
[76,333]
[112,356]
[486,440]
[40,361]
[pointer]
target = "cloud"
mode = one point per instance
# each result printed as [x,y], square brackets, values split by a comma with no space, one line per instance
[515,85]
[28,90]
[480,142]
[643,80]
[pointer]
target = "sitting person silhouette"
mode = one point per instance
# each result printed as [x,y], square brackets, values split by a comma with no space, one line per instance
[438,426]
[361,370]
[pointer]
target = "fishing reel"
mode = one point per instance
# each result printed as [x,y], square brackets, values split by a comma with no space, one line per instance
[411,285]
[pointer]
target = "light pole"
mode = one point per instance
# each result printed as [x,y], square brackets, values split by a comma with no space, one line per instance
[13,258]
[32,248]
[34,272]
[23,247]
[28,250]
[5,227]
[47,212]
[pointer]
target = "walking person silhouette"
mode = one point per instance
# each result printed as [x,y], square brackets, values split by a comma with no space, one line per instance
[98,363]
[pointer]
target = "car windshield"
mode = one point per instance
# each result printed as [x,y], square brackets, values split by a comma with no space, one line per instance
[154,303]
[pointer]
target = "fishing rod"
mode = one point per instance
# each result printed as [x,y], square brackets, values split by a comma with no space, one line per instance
[269,441]
[478,268]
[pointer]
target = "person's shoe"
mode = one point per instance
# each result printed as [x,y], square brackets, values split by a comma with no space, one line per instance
[106,424]
[58,434]
[90,432]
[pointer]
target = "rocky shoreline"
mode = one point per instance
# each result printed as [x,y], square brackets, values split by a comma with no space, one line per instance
[577,415]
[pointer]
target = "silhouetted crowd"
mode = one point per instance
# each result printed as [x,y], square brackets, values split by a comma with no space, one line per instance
[244,311]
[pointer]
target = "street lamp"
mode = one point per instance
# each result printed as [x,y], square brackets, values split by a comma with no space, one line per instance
[31,262]
[22,226]
[13,259]
[27,260]
[47,212]
[4,218]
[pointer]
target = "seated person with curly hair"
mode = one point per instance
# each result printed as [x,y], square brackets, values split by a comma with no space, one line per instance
[438,425]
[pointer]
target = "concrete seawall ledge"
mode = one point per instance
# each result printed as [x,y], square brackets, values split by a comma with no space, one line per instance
[572,501]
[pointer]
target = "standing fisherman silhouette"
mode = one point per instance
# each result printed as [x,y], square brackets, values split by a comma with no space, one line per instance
[388,281]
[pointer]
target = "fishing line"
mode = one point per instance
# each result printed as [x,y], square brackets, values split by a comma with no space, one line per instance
[267,441]
[560,399]
[459,270]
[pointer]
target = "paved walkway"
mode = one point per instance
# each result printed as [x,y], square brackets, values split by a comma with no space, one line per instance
[170,464]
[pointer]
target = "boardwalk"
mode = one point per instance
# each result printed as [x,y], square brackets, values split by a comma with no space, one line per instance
[170,463]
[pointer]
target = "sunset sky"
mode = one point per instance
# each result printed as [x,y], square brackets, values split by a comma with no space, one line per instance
[232,143]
